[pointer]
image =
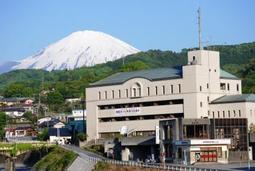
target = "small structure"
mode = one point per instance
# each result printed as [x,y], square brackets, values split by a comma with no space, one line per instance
[60,135]
[77,115]
[188,141]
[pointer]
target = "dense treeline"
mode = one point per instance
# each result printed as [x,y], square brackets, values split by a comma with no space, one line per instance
[59,85]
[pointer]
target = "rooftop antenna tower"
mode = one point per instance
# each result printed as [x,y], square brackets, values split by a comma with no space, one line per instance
[199,28]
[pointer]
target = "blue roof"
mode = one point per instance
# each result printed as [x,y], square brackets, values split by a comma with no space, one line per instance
[150,74]
[235,98]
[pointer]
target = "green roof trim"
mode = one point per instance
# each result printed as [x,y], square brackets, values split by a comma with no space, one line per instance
[150,74]
[235,98]
[224,74]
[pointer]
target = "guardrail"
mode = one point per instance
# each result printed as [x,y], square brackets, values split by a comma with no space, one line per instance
[94,158]
[159,166]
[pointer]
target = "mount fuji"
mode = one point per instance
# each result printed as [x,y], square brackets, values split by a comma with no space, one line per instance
[82,48]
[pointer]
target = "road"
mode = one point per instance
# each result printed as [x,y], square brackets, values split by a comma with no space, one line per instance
[84,161]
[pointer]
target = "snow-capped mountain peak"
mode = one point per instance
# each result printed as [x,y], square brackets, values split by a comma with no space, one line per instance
[81,48]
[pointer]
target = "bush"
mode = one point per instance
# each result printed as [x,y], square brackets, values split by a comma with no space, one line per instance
[82,136]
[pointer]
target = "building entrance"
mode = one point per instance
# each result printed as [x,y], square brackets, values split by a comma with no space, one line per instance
[207,156]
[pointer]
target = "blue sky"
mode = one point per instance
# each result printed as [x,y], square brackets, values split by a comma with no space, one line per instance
[28,26]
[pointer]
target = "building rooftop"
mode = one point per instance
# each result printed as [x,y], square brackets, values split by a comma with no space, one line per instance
[235,98]
[150,74]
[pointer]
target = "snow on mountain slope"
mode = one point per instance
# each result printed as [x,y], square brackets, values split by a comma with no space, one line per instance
[82,48]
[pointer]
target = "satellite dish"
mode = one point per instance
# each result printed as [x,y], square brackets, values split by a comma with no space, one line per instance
[123,130]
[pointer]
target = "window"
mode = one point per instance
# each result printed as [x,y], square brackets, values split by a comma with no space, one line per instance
[119,93]
[156,90]
[228,87]
[234,113]
[179,86]
[201,104]
[194,58]
[239,113]
[207,85]
[223,86]
[237,87]
[172,89]
[99,95]
[134,92]
[163,89]
[126,92]
[223,114]
[113,94]
[148,91]
[200,88]
[229,114]
[208,99]
[208,113]
[218,114]
[215,70]
[105,94]
[213,114]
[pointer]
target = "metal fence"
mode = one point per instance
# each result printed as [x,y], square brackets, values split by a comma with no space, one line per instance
[158,166]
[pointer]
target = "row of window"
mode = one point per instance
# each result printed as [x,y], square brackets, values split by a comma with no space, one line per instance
[136,91]
[225,114]
[226,86]
[141,117]
[142,104]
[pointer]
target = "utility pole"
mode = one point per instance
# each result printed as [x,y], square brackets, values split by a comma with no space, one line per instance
[199,29]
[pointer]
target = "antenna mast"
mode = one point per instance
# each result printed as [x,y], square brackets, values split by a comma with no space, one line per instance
[199,28]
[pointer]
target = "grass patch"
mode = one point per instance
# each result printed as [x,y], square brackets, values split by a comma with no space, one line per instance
[101,166]
[57,160]
[98,149]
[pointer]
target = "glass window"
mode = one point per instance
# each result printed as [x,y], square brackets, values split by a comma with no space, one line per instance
[172,89]
[156,90]
[99,95]
[119,94]
[113,94]
[148,91]
[163,89]
[105,94]
[179,86]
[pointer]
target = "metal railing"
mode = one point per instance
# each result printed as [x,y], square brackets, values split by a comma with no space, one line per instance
[172,167]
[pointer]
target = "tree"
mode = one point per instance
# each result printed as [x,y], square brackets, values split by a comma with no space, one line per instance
[44,135]
[3,119]
[134,66]
[30,117]
[252,128]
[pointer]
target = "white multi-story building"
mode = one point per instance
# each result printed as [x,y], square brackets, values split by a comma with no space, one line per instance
[136,101]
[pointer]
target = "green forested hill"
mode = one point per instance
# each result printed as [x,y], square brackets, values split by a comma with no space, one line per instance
[237,59]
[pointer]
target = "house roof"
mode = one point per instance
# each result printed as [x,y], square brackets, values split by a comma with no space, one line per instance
[150,74]
[235,98]
[224,74]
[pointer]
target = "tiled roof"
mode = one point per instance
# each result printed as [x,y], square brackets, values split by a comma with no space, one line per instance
[150,74]
[235,98]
